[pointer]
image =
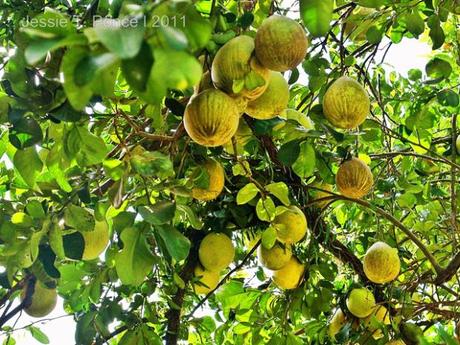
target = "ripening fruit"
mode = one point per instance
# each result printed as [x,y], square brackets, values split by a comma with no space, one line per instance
[380,314]
[208,280]
[216,251]
[291,225]
[276,257]
[290,276]
[358,23]
[273,101]
[215,172]
[361,302]
[234,63]
[95,241]
[346,103]
[211,118]
[43,300]
[381,263]
[354,178]
[338,320]
[281,43]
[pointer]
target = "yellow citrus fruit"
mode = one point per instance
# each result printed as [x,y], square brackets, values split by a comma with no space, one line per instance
[281,43]
[215,172]
[234,63]
[381,315]
[338,320]
[243,135]
[208,280]
[358,23]
[95,241]
[381,263]
[273,101]
[43,300]
[346,103]
[216,251]
[211,118]
[361,302]
[291,225]
[276,257]
[354,178]
[290,275]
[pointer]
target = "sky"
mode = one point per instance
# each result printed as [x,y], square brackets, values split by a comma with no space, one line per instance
[408,54]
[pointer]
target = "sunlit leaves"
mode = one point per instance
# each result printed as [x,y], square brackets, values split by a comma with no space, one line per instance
[317,15]
[304,165]
[176,243]
[28,164]
[85,147]
[246,194]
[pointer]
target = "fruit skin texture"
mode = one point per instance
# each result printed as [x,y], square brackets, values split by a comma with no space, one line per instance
[208,278]
[273,101]
[382,315]
[216,251]
[43,300]
[281,43]
[291,225]
[234,61]
[211,118]
[290,275]
[338,320]
[216,182]
[361,302]
[354,178]
[346,103]
[274,258]
[95,241]
[381,263]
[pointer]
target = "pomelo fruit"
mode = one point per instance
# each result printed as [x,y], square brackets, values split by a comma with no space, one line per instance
[291,225]
[211,118]
[354,178]
[281,43]
[208,280]
[216,175]
[95,241]
[273,101]
[361,302]
[338,320]
[346,103]
[381,263]
[216,251]
[43,300]
[275,257]
[290,275]
[382,316]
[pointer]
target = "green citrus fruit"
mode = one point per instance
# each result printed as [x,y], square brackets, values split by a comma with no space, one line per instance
[43,300]
[216,251]
[361,302]
[381,263]
[291,225]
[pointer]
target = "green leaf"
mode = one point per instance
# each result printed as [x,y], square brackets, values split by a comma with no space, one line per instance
[247,193]
[280,191]
[85,147]
[372,3]
[122,37]
[374,35]
[137,69]
[317,15]
[38,335]
[305,164]
[85,330]
[176,243]
[269,237]
[265,209]
[436,32]
[91,66]
[28,164]
[289,152]
[35,209]
[135,260]
[415,23]
[49,24]
[37,49]
[160,213]
[25,132]
[448,98]
[152,163]
[79,218]
[190,215]
[438,68]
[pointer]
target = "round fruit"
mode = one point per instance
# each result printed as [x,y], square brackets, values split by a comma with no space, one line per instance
[290,276]
[380,314]
[273,101]
[208,280]
[95,241]
[354,178]
[234,63]
[346,103]
[358,23]
[281,43]
[291,225]
[211,118]
[274,258]
[216,251]
[243,135]
[43,300]
[338,320]
[215,172]
[381,263]
[361,302]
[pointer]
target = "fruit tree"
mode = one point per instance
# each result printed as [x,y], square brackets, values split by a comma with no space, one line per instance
[230,172]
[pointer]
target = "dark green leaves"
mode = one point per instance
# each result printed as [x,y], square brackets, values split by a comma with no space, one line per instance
[305,164]
[25,132]
[147,163]
[28,164]
[317,15]
[289,152]
[159,213]
[79,218]
[175,242]
[415,23]
[85,147]
[438,68]
[436,32]
[137,69]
